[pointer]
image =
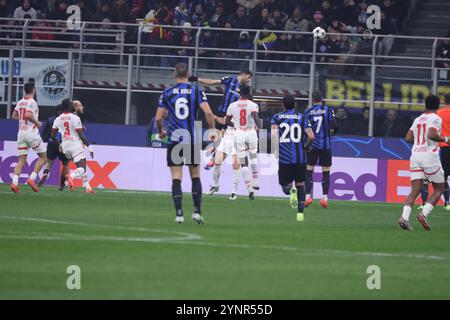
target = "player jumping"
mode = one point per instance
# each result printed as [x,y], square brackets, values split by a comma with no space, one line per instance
[231,93]
[323,123]
[72,145]
[292,133]
[180,105]
[27,112]
[246,117]
[425,133]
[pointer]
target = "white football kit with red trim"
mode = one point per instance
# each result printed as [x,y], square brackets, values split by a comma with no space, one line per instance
[28,135]
[68,125]
[425,161]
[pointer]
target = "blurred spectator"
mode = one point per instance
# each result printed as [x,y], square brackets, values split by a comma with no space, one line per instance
[362,14]
[308,8]
[260,19]
[245,43]
[5,10]
[198,17]
[361,126]
[281,45]
[278,19]
[347,13]
[239,19]
[317,21]
[25,9]
[86,14]
[227,40]
[103,13]
[217,20]
[120,12]
[392,126]
[181,13]
[41,33]
[59,11]
[328,11]
[344,123]
[443,52]
[297,22]
[388,27]
[207,41]
[10,35]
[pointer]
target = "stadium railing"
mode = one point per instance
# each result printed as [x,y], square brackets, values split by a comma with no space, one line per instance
[136,52]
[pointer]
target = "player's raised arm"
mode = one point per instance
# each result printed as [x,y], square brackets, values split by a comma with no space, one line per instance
[207,82]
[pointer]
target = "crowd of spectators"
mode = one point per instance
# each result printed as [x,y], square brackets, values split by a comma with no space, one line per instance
[345,17]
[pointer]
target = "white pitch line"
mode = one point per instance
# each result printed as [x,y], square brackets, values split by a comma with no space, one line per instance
[188,239]
[182,235]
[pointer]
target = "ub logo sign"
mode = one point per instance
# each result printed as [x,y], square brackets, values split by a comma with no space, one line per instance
[374,18]
[74,20]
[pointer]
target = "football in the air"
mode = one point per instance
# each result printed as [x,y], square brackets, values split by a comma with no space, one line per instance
[319,33]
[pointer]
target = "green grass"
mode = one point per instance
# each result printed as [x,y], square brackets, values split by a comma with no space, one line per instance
[128,246]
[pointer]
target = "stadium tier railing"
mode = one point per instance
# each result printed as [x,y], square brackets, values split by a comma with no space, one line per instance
[136,50]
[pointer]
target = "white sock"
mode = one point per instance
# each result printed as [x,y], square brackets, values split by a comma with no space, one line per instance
[16,180]
[86,182]
[245,171]
[33,176]
[77,173]
[427,208]
[216,175]
[308,196]
[255,172]
[236,179]
[406,212]
[325,197]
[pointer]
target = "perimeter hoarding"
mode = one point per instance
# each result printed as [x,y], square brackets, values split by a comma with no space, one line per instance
[144,169]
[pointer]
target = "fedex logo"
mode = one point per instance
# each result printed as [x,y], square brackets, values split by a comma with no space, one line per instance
[100,175]
[355,179]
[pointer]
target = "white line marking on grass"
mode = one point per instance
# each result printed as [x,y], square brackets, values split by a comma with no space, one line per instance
[181,236]
[187,239]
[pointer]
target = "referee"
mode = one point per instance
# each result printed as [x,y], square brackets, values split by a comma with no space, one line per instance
[444,113]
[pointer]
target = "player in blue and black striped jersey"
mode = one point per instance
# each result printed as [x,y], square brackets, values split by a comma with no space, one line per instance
[293,133]
[180,105]
[323,123]
[231,94]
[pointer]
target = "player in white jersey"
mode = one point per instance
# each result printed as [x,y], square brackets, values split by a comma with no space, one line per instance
[27,112]
[246,116]
[73,142]
[425,163]
[226,149]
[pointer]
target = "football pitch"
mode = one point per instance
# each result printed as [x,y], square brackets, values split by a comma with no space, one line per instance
[127,246]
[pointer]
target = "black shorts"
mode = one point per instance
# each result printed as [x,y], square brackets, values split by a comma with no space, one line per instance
[53,153]
[291,172]
[179,154]
[321,157]
[445,160]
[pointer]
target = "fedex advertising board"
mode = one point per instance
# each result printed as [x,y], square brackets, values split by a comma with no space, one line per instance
[145,169]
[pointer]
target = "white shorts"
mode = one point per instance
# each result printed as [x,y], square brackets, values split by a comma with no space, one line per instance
[74,151]
[27,140]
[227,145]
[246,140]
[426,166]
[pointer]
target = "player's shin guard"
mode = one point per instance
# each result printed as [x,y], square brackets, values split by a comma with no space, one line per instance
[177,196]
[424,193]
[216,175]
[255,172]
[447,194]
[326,184]
[246,176]
[309,181]
[301,196]
[197,195]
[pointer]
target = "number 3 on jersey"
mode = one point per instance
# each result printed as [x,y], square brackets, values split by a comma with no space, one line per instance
[294,132]
[182,108]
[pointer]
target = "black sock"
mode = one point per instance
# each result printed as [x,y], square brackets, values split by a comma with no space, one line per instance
[177,196]
[326,183]
[446,193]
[62,180]
[309,181]
[46,171]
[424,193]
[287,189]
[197,195]
[301,196]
